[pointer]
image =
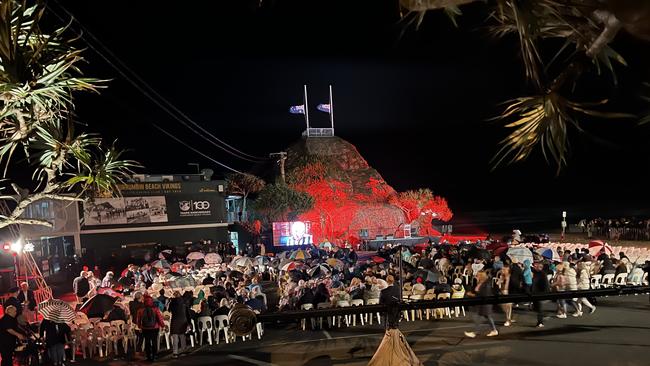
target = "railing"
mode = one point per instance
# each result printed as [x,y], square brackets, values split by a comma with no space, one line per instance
[619,233]
[234,216]
[292,316]
[320,132]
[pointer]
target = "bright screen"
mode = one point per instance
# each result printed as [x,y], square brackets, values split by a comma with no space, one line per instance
[292,233]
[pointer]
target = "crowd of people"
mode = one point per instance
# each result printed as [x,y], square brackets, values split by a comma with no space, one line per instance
[318,276]
[623,228]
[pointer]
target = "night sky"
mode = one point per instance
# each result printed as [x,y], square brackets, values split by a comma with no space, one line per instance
[415,106]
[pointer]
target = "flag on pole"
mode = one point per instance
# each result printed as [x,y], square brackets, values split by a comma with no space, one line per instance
[324,108]
[297,109]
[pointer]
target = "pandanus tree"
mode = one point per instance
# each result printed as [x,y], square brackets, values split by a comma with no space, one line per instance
[39,75]
[587,31]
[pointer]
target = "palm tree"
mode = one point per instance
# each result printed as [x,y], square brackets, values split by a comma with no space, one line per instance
[588,28]
[38,75]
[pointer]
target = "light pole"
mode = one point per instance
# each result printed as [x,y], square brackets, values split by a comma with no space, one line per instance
[563,224]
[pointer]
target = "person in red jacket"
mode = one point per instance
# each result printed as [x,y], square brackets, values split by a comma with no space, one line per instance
[150,320]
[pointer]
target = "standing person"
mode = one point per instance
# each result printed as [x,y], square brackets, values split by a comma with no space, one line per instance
[527,276]
[584,284]
[540,286]
[150,320]
[179,324]
[12,300]
[81,287]
[390,296]
[9,334]
[26,297]
[483,289]
[56,335]
[504,286]
[571,284]
[134,307]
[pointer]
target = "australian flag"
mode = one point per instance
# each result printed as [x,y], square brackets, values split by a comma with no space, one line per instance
[297,109]
[324,108]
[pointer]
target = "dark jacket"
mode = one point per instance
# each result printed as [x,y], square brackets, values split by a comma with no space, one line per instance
[31,300]
[81,286]
[485,289]
[134,307]
[321,295]
[306,298]
[180,316]
[540,282]
[391,296]
[55,333]
[256,304]
[16,303]
[516,278]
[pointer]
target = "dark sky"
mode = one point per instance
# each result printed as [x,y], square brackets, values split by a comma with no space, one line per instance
[415,106]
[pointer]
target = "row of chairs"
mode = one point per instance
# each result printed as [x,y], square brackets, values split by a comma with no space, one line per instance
[211,328]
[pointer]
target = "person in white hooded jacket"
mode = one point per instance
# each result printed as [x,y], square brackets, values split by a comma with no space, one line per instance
[570,284]
[584,284]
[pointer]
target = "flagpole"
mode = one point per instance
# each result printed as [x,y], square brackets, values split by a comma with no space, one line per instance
[331,110]
[306,110]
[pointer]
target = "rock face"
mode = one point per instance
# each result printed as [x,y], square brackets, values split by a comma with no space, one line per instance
[370,214]
[344,160]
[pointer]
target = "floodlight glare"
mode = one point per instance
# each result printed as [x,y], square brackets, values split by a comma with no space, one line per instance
[17,246]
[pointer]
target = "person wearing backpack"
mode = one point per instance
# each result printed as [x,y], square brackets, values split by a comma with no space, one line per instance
[150,320]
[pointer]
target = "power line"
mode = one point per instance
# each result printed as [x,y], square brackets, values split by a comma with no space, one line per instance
[195,150]
[169,108]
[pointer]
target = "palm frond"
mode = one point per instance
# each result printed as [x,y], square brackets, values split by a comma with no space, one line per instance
[543,121]
[100,170]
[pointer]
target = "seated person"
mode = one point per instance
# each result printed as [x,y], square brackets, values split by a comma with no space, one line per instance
[442,286]
[257,304]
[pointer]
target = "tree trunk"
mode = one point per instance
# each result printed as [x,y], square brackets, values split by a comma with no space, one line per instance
[244,217]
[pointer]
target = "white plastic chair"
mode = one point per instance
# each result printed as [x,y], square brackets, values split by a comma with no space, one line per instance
[357,302]
[343,304]
[324,305]
[444,311]
[205,325]
[165,334]
[608,280]
[621,279]
[303,321]
[595,281]
[221,324]
[373,302]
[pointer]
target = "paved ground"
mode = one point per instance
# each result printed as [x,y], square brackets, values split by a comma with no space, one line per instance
[618,333]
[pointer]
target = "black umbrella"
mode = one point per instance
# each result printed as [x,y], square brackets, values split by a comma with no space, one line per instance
[426,263]
[98,305]
[236,274]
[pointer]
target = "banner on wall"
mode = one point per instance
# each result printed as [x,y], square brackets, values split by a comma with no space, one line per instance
[157,203]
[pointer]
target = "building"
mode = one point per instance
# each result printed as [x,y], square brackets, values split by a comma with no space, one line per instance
[151,211]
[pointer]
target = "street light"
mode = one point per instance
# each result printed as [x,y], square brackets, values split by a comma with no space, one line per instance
[16,246]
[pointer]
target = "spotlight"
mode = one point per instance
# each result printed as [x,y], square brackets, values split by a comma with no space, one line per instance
[17,246]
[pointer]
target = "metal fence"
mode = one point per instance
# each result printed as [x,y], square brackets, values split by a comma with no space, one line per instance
[292,316]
